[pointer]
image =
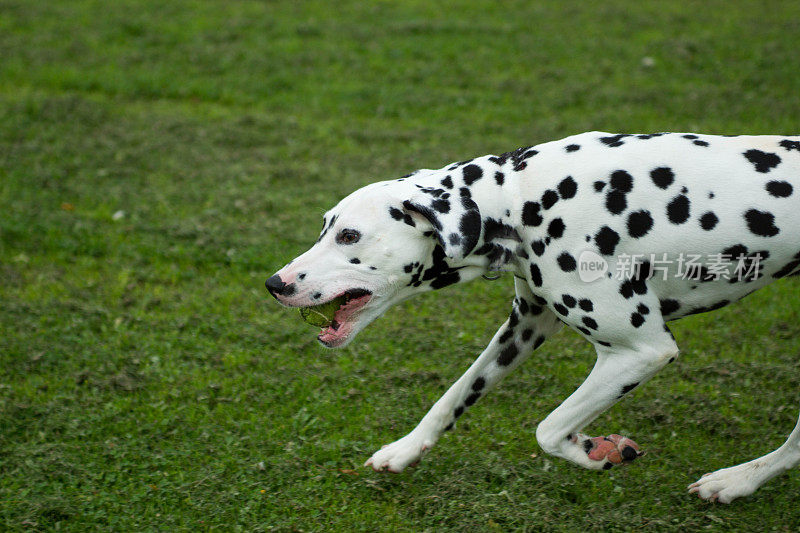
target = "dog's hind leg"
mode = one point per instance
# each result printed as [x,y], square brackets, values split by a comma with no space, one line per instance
[525,330]
[727,484]
[635,354]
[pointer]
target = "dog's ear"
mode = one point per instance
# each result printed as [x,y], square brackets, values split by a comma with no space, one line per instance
[456,222]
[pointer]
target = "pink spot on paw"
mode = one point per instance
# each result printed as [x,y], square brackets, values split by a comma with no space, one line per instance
[615,449]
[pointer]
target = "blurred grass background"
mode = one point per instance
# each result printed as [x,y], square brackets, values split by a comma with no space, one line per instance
[159,159]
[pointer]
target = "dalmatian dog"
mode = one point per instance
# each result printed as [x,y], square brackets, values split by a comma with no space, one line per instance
[597,230]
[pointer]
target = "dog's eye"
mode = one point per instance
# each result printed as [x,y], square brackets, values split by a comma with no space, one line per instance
[348,236]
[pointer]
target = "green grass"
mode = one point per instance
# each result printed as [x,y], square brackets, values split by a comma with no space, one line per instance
[148,383]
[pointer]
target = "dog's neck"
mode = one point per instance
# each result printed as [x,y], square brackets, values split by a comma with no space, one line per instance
[500,246]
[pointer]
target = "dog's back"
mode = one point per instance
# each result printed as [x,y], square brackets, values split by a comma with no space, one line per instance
[710,218]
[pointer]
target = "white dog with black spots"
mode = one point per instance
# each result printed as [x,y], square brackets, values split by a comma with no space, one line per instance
[631,200]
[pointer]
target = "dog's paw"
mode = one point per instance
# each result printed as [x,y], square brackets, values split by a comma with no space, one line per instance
[395,457]
[608,451]
[727,484]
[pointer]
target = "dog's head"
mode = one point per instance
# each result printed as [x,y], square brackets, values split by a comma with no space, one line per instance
[380,245]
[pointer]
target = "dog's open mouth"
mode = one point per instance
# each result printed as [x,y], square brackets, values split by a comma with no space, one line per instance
[337,316]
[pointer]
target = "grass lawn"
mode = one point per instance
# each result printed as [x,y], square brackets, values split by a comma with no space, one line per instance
[158,160]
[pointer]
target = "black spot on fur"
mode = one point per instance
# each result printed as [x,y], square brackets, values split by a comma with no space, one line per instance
[440,274]
[508,355]
[662,177]
[549,198]
[780,189]
[539,341]
[621,181]
[472,398]
[669,306]
[538,247]
[642,309]
[643,271]
[396,213]
[556,228]
[447,182]
[566,262]
[324,231]
[761,223]
[561,309]
[470,224]
[788,268]
[637,320]
[458,412]
[599,185]
[536,275]
[526,335]
[496,229]
[735,251]
[568,300]
[616,202]
[355,260]
[606,240]
[572,148]
[790,145]
[589,322]
[678,209]
[708,221]
[639,223]
[700,143]
[614,141]
[517,158]
[530,214]
[472,173]
[567,188]
[404,217]
[586,305]
[499,177]
[441,205]
[434,191]
[630,287]
[763,161]
[627,388]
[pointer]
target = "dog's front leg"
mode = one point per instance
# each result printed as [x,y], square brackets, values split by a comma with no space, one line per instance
[526,328]
[618,370]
